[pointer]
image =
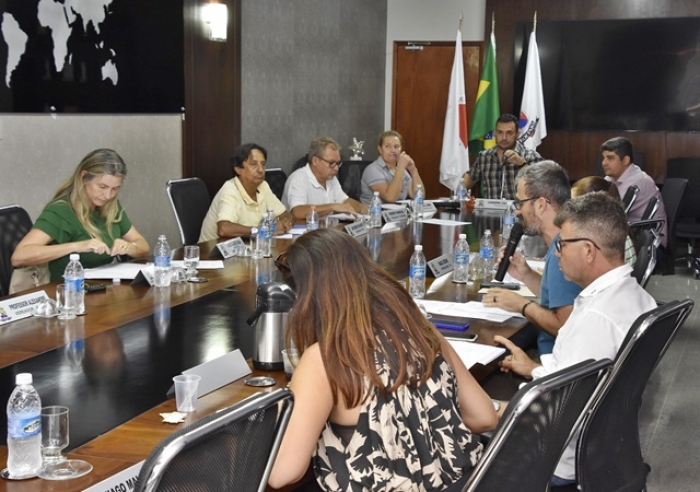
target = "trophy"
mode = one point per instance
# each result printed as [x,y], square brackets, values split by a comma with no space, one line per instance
[356,148]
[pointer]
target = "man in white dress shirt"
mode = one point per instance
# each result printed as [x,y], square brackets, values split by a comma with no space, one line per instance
[317,184]
[591,248]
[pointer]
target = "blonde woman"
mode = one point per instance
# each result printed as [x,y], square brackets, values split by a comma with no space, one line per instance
[83,217]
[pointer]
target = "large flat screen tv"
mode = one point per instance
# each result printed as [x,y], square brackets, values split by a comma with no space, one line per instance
[616,74]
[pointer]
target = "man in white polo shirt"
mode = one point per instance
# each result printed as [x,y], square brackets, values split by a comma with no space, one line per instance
[317,184]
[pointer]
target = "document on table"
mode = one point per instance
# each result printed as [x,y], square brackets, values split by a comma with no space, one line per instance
[341,216]
[473,353]
[445,222]
[470,309]
[124,271]
[202,265]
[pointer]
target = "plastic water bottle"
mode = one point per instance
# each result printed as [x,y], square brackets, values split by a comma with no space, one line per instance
[255,250]
[418,199]
[74,277]
[23,429]
[312,219]
[273,227]
[461,264]
[161,261]
[508,221]
[416,274]
[264,236]
[375,211]
[486,249]
[461,191]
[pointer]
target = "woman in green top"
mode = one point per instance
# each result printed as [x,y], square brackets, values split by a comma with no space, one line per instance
[84,217]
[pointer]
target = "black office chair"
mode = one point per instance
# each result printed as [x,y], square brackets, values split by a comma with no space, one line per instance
[299,163]
[609,456]
[647,238]
[276,178]
[672,194]
[651,208]
[630,197]
[535,428]
[233,449]
[15,223]
[350,177]
[190,200]
[688,223]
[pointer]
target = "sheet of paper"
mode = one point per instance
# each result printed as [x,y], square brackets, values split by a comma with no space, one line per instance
[523,291]
[285,236]
[297,230]
[339,216]
[393,206]
[202,265]
[445,222]
[124,271]
[470,309]
[390,227]
[473,353]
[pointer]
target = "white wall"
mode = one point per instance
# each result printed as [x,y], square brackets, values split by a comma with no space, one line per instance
[428,20]
[39,152]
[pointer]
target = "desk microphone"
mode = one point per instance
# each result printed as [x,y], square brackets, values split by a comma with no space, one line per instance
[515,234]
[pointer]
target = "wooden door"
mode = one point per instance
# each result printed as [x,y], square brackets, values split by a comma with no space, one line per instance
[420,89]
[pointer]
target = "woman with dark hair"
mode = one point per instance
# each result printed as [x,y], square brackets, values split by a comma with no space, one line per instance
[393,404]
[84,217]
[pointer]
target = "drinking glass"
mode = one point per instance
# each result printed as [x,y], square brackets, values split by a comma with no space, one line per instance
[54,438]
[191,260]
[63,302]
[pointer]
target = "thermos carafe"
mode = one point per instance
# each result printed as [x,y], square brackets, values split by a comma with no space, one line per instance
[273,301]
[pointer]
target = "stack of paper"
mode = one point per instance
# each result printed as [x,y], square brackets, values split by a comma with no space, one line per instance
[470,309]
[475,353]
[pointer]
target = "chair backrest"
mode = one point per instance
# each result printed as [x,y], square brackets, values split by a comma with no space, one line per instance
[688,168]
[276,178]
[190,200]
[350,177]
[630,197]
[609,455]
[535,428]
[648,241]
[672,194]
[299,163]
[233,449]
[15,223]
[651,208]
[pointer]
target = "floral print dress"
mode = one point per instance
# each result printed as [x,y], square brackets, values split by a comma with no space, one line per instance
[409,440]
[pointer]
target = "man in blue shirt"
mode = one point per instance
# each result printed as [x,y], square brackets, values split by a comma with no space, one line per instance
[541,190]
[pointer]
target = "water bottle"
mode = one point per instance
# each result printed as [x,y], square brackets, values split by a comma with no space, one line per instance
[273,227]
[461,264]
[255,250]
[375,211]
[264,236]
[312,219]
[161,261]
[486,250]
[461,191]
[508,221]
[23,429]
[74,277]
[416,274]
[418,198]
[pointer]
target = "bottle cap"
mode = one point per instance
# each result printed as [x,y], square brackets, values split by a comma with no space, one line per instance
[487,231]
[23,378]
[463,236]
[418,247]
[74,256]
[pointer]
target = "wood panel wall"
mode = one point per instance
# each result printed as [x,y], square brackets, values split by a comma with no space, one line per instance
[212,117]
[578,150]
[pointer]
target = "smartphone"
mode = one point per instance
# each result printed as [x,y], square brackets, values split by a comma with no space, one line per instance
[449,324]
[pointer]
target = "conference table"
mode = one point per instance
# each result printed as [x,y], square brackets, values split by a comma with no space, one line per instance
[113,366]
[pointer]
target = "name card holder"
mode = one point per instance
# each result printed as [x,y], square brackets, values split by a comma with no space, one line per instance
[357,229]
[399,215]
[146,275]
[227,249]
[441,265]
[123,481]
[217,373]
[20,307]
[491,203]
[429,208]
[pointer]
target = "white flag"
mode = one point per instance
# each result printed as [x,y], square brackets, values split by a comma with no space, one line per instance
[533,125]
[454,161]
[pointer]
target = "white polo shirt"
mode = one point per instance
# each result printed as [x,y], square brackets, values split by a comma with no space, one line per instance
[302,188]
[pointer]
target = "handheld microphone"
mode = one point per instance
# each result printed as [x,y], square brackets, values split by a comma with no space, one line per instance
[515,234]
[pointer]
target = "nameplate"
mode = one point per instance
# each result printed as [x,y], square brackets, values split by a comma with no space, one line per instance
[227,249]
[220,371]
[20,307]
[357,229]
[498,204]
[441,265]
[399,215]
[429,208]
[123,481]
[145,276]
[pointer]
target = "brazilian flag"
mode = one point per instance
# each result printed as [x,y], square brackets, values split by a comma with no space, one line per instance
[487,108]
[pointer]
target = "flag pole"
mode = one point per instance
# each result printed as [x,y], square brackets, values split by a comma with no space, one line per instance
[461,18]
[534,23]
[493,20]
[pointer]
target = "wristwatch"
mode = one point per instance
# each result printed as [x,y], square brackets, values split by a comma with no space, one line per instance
[496,404]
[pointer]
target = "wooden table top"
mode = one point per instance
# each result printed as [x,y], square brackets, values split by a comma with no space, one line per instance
[113,366]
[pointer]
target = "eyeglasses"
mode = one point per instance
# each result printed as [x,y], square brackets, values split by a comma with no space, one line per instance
[331,164]
[518,204]
[559,242]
